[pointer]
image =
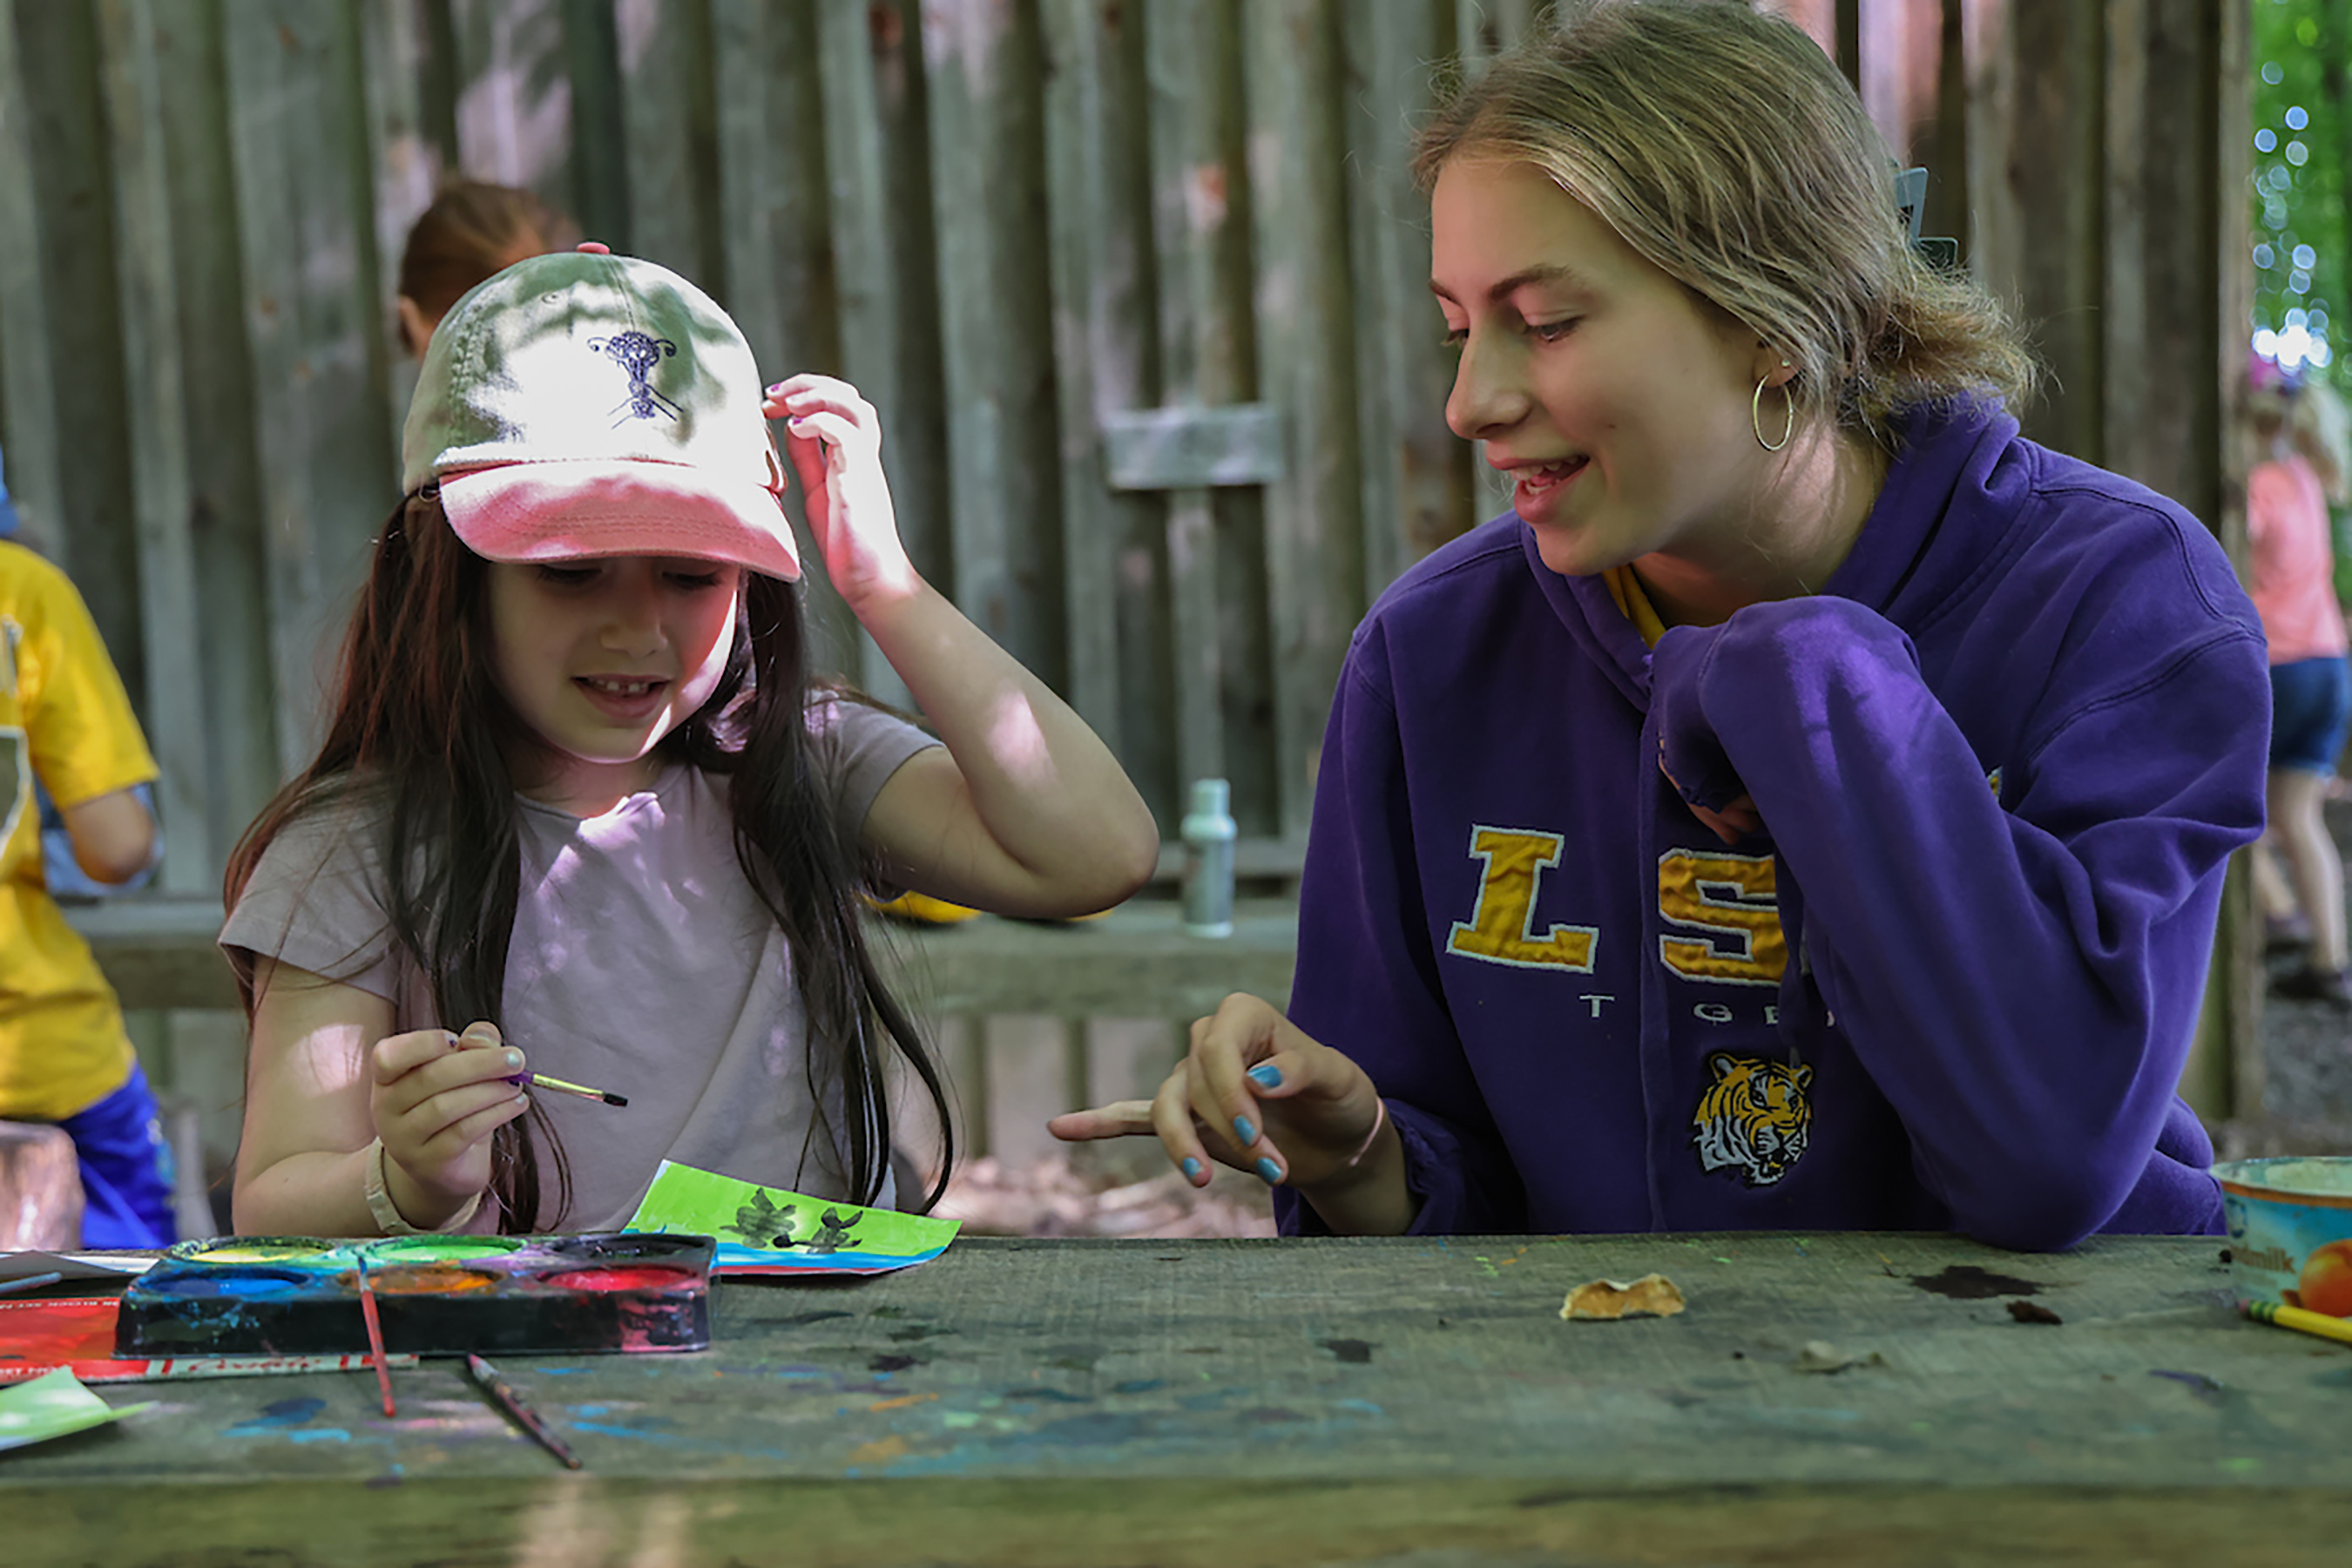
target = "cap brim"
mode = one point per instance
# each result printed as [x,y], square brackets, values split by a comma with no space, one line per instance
[559,510]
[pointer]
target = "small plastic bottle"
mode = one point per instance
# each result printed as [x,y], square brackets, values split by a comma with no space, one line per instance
[1208,833]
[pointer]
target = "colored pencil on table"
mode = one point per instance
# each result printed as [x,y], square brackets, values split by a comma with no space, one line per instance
[29,1282]
[2308,1321]
[376,1338]
[541,1080]
[500,1390]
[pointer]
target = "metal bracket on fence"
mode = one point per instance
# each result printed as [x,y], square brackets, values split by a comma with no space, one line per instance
[1191,448]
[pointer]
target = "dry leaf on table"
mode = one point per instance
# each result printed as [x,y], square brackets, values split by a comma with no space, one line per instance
[1650,1296]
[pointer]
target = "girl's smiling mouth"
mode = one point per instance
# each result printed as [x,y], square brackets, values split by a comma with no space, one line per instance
[624,698]
[1533,484]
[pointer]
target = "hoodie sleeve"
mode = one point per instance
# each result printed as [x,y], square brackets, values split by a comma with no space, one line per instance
[1366,983]
[2022,981]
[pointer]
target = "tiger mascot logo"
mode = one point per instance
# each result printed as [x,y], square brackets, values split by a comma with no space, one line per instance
[1753,1117]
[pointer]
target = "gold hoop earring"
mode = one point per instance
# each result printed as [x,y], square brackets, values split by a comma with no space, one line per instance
[1756,415]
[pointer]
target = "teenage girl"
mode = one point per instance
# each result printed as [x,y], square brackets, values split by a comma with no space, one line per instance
[579,811]
[1808,808]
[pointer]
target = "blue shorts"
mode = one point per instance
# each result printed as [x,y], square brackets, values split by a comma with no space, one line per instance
[2311,708]
[126,1169]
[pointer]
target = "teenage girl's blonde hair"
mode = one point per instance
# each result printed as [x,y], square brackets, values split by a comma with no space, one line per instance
[1726,149]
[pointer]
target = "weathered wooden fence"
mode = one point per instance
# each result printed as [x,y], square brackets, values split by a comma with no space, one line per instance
[1137,285]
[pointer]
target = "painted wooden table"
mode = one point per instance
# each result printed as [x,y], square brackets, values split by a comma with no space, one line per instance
[1252,1402]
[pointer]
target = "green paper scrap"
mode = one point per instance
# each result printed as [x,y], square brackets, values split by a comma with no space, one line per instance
[785,1229]
[52,1405]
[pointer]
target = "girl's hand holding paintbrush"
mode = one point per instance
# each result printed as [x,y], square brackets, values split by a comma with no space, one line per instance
[437,1097]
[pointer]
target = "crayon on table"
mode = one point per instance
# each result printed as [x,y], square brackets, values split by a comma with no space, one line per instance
[2299,1318]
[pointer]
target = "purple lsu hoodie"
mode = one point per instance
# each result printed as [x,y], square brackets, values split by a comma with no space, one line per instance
[2002,761]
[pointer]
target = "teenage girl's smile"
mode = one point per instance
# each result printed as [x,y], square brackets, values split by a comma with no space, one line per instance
[601,659]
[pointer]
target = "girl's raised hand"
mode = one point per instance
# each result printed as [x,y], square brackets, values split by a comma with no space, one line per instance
[833,438]
[437,1097]
[1256,1093]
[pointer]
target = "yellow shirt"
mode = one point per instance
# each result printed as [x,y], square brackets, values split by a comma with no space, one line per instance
[64,716]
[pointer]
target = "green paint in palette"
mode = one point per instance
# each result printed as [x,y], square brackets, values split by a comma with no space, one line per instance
[439,1249]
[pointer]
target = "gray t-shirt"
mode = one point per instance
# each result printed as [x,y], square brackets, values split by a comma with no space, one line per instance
[642,962]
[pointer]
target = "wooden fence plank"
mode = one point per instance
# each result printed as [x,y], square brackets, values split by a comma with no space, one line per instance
[1305,310]
[29,438]
[1077,37]
[778,255]
[216,404]
[1416,472]
[312,305]
[981,62]
[874,140]
[161,487]
[1483,29]
[395,35]
[514,83]
[669,119]
[94,536]
[1201,223]
[2037,75]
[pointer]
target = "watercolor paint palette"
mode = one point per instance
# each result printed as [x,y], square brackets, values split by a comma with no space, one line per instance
[435,1295]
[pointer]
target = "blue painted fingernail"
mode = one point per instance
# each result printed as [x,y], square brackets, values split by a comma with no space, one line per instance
[1191,1167]
[1269,1172]
[1266,1075]
[1245,1130]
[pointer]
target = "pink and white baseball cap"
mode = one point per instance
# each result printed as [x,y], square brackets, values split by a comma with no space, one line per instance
[584,404]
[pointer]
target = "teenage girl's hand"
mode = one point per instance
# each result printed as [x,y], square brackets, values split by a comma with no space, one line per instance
[1689,756]
[1256,1093]
[833,438]
[437,1097]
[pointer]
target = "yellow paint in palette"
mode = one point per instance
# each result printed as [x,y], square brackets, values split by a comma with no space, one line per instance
[262,1250]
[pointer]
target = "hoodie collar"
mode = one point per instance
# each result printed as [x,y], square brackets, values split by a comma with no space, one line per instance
[1943,456]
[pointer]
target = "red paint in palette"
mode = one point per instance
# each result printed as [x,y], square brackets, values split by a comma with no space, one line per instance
[622,1276]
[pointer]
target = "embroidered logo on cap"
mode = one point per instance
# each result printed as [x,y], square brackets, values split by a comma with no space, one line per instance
[637,353]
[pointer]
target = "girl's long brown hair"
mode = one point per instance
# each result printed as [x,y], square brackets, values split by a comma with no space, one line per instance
[414,745]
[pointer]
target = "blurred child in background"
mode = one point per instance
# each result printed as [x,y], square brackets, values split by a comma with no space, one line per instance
[2298,429]
[471,230]
[65,725]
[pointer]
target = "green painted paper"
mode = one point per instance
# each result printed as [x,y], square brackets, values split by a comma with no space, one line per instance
[52,1405]
[746,1214]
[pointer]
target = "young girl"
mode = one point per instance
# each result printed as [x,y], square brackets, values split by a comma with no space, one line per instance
[2291,561]
[1809,810]
[579,812]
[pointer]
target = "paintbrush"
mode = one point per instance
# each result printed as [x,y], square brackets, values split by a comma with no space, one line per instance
[514,1403]
[2308,1321]
[376,1338]
[541,1080]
